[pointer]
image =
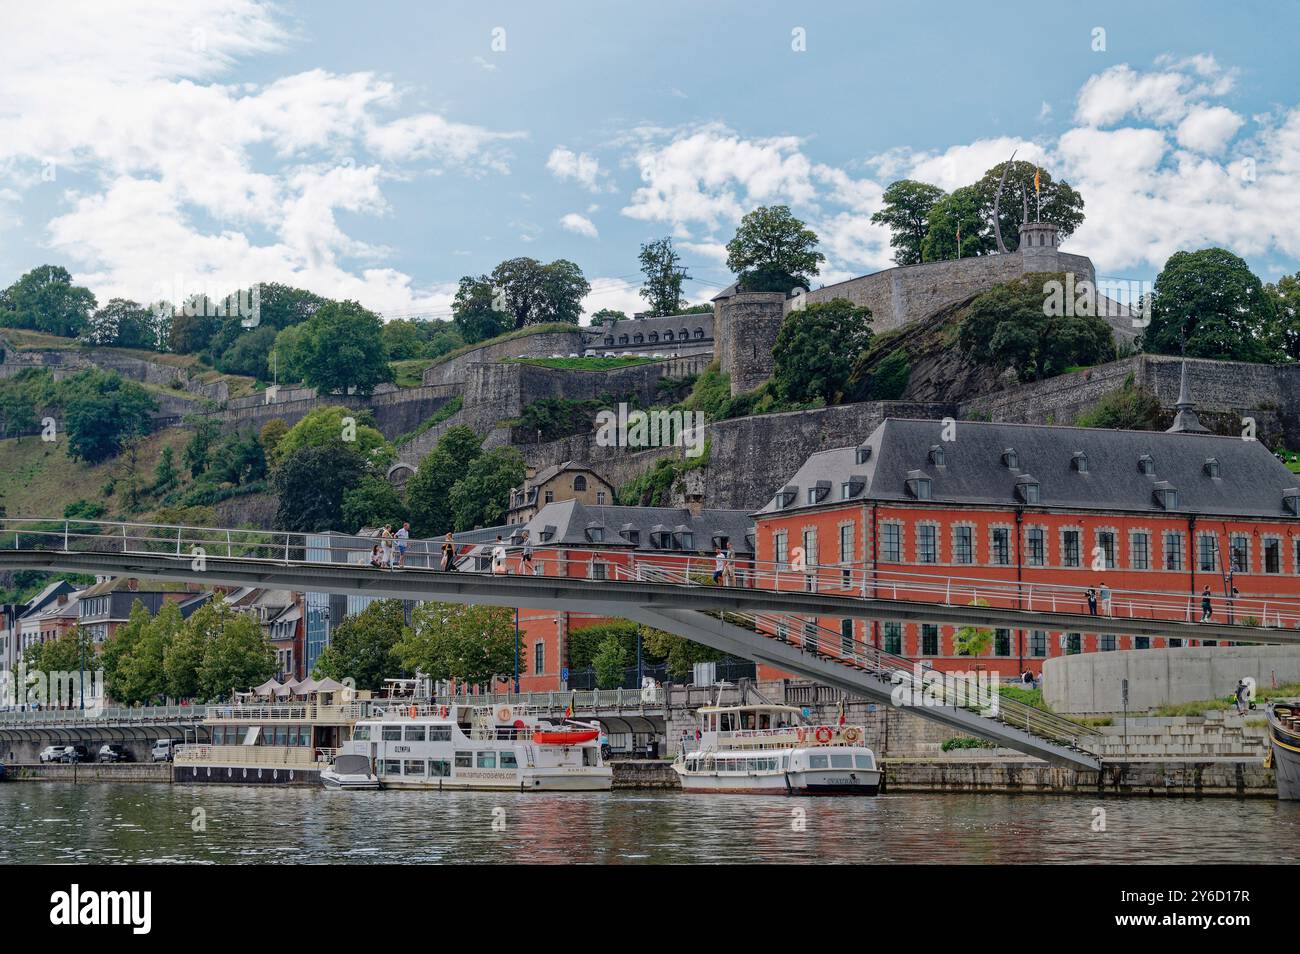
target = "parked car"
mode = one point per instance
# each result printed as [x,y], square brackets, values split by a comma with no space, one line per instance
[51,753]
[2,771]
[112,752]
[163,750]
[74,754]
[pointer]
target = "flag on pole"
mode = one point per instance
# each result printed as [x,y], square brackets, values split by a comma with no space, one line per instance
[842,712]
[568,712]
[1038,182]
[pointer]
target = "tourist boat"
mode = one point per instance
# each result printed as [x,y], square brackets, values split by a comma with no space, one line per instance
[1284,745]
[349,773]
[274,735]
[452,747]
[771,749]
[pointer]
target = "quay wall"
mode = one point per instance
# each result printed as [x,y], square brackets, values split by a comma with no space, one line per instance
[91,772]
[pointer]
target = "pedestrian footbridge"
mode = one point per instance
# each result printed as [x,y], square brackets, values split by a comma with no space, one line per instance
[768,617]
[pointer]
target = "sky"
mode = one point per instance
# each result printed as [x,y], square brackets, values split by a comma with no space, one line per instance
[380,150]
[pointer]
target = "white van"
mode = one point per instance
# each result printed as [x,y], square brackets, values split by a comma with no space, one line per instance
[162,750]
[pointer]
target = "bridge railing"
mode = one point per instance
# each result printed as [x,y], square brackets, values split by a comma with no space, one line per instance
[661,566]
[116,715]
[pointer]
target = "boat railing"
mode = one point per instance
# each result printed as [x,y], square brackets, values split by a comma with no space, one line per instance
[289,712]
[796,735]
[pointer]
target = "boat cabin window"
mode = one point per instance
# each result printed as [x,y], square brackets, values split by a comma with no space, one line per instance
[729,721]
[439,733]
[863,761]
[785,763]
[392,733]
[487,760]
[361,733]
[439,768]
[414,733]
[841,760]
[818,762]
[414,767]
[464,760]
[508,760]
[390,767]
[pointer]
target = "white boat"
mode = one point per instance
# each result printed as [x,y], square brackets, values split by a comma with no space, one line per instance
[771,750]
[349,773]
[499,747]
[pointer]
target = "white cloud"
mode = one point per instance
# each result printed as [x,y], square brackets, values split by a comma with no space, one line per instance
[565,164]
[181,175]
[573,222]
[1158,96]
[1208,128]
[616,293]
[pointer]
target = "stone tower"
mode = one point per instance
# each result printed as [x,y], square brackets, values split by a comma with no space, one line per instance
[1039,247]
[745,328]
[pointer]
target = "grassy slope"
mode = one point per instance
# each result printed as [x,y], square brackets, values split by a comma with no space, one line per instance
[38,479]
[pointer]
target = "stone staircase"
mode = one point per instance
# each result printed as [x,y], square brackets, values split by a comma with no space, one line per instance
[1216,734]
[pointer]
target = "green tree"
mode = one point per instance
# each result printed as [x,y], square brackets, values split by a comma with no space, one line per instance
[817,348]
[249,353]
[102,413]
[123,324]
[608,314]
[1286,315]
[482,496]
[471,644]
[905,210]
[1131,408]
[773,251]
[141,671]
[363,647]
[192,325]
[236,656]
[664,275]
[1056,202]
[1007,327]
[183,654]
[891,377]
[679,653]
[204,432]
[962,209]
[64,653]
[610,663]
[1213,299]
[338,426]
[311,483]
[479,311]
[372,503]
[428,492]
[342,349]
[45,299]
[271,435]
[165,475]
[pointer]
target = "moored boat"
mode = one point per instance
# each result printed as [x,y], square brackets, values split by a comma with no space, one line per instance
[502,747]
[1284,747]
[772,750]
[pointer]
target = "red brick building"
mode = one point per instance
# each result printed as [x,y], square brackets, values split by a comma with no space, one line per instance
[1040,514]
[576,540]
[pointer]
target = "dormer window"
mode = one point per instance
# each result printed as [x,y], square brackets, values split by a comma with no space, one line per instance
[862,455]
[1146,466]
[852,487]
[660,538]
[1165,495]
[1211,467]
[1010,459]
[630,533]
[548,532]
[595,533]
[936,455]
[1291,501]
[1079,462]
[786,496]
[819,491]
[918,485]
[1027,489]
[683,538]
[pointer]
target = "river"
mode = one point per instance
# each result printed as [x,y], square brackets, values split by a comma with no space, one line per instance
[117,822]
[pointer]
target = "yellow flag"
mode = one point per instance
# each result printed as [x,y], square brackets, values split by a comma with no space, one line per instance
[1037,180]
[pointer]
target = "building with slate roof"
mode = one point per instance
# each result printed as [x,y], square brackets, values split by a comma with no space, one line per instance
[1061,508]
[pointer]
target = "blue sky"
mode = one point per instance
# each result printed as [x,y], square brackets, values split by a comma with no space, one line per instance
[380,151]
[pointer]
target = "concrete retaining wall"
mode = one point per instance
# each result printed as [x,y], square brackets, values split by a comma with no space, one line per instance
[1092,682]
[1235,778]
[90,772]
[456,370]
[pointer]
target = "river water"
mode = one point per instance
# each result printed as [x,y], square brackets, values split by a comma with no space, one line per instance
[115,822]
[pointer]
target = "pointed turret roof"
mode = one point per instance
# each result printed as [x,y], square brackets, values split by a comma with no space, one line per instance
[1186,421]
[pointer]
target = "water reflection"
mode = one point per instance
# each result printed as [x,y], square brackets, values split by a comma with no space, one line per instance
[108,822]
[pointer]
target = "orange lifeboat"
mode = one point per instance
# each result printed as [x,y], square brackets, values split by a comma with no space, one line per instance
[564,736]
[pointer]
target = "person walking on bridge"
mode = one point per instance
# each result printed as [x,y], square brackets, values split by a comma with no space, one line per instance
[1091,596]
[448,554]
[1207,606]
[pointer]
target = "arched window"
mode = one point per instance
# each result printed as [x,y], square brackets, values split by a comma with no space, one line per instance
[654,337]
[684,334]
[638,339]
[699,332]
[668,335]
[609,341]
[580,483]
[622,339]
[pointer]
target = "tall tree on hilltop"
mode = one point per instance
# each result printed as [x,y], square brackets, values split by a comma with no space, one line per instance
[1215,302]
[662,287]
[1286,311]
[773,251]
[959,213]
[45,299]
[905,210]
[817,348]
[342,349]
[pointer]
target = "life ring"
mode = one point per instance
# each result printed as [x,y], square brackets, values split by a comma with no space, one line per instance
[443,712]
[415,711]
[503,714]
[824,734]
[851,734]
[803,734]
